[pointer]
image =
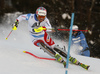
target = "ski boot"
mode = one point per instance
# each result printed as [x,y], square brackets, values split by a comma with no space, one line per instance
[73,60]
[60,59]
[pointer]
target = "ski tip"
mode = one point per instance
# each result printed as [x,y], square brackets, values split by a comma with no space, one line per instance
[88,67]
[24,51]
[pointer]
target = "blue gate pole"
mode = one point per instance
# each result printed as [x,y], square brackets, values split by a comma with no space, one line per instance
[67,61]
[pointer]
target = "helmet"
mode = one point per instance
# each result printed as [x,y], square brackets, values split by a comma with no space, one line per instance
[41,11]
[75,27]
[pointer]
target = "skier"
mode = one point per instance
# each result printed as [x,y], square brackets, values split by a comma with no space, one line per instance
[38,25]
[79,41]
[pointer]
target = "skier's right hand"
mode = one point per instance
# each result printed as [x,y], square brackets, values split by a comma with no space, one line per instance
[15,25]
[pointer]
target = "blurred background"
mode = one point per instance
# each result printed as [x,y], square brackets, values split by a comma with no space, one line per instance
[87,16]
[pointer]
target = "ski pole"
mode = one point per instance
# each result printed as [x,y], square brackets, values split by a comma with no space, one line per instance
[8,34]
[72,30]
[64,29]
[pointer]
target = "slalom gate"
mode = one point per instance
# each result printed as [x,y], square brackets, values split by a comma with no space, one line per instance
[67,61]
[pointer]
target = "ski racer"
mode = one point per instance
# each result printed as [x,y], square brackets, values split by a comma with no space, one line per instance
[79,41]
[38,25]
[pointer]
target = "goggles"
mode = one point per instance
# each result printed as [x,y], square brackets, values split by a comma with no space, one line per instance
[41,17]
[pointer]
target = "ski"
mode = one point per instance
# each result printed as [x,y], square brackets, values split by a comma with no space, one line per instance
[84,66]
[64,54]
[37,56]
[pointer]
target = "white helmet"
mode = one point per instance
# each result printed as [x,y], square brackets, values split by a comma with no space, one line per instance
[41,11]
[75,27]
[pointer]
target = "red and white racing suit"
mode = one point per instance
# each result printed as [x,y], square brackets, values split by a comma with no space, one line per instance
[40,36]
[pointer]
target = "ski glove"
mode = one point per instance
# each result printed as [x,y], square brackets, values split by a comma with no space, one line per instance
[15,25]
[39,29]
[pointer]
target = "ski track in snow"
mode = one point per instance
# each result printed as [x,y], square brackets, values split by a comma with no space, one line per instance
[14,61]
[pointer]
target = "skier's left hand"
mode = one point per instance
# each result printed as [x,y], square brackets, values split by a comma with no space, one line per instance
[39,29]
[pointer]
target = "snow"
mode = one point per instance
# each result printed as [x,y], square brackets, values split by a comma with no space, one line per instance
[66,15]
[14,61]
[91,42]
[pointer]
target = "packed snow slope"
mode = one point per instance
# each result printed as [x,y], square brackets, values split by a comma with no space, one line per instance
[14,61]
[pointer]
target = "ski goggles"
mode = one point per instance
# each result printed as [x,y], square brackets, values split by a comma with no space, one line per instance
[41,17]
